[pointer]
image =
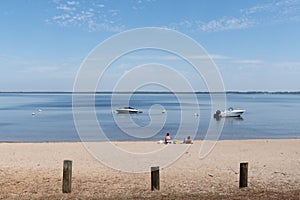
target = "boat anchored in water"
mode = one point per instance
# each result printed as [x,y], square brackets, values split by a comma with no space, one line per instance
[128,110]
[230,112]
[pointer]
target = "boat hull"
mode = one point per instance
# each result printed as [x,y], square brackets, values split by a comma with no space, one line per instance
[128,110]
[120,111]
[232,113]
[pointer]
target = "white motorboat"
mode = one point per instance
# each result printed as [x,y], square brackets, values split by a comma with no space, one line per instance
[128,110]
[230,112]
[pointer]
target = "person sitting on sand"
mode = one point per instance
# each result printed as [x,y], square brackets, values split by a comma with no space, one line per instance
[167,139]
[188,140]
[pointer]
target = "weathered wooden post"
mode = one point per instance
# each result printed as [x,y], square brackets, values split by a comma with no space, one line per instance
[155,178]
[243,175]
[67,177]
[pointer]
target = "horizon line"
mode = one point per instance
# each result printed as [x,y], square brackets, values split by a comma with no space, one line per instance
[152,92]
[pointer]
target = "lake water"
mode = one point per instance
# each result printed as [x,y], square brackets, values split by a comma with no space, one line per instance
[267,116]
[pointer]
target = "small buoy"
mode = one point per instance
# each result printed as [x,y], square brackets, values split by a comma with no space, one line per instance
[163,111]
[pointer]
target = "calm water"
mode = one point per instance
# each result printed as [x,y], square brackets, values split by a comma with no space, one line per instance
[267,116]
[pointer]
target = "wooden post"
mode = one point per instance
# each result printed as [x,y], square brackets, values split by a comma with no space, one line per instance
[155,178]
[243,175]
[67,177]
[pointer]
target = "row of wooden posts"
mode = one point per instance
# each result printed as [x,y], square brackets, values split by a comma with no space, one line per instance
[155,181]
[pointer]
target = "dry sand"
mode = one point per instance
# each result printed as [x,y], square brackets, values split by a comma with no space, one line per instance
[34,171]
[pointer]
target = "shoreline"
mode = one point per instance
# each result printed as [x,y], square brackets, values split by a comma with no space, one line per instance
[150,141]
[34,171]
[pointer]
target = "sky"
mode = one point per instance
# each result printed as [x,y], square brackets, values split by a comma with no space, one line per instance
[254,43]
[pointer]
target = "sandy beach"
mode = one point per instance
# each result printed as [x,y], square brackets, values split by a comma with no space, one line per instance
[34,171]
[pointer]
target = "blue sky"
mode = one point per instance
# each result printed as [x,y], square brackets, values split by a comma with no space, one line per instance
[255,44]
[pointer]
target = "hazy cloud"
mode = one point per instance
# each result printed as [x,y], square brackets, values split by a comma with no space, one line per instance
[140,4]
[288,65]
[251,62]
[210,56]
[45,69]
[174,57]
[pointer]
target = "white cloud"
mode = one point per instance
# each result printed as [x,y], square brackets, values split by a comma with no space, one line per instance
[86,14]
[100,5]
[225,23]
[72,2]
[62,17]
[255,9]
[276,12]
[280,7]
[221,24]
[65,8]
[93,15]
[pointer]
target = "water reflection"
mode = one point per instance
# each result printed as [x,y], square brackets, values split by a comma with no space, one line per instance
[229,118]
